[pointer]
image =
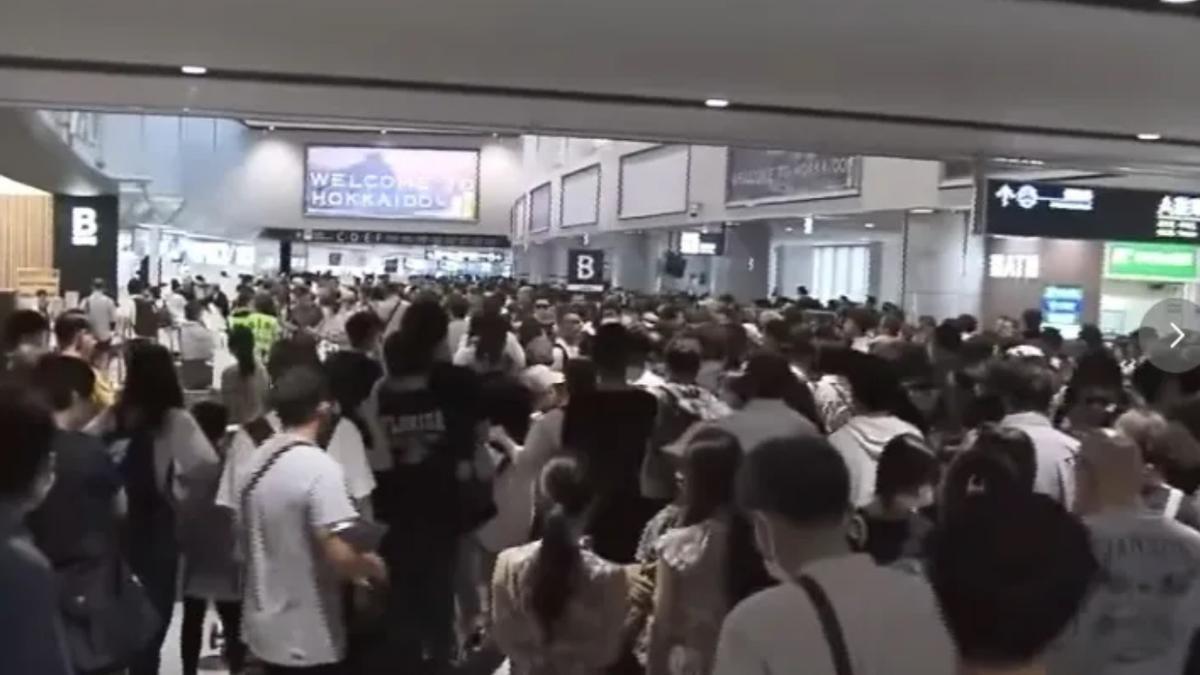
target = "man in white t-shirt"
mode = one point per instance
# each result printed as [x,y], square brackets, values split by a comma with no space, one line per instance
[1027,389]
[344,445]
[291,507]
[1144,614]
[101,310]
[798,492]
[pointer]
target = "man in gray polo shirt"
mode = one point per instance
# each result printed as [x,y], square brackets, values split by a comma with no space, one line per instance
[290,507]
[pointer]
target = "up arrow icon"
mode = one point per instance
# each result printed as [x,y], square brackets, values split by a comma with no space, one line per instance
[1006,194]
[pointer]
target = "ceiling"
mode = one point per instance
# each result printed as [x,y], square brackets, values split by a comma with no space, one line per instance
[928,78]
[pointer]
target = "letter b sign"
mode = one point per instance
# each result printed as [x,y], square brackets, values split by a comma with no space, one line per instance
[585,267]
[85,231]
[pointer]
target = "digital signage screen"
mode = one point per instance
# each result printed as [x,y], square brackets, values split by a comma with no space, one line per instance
[391,183]
[1065,211]
[696,243]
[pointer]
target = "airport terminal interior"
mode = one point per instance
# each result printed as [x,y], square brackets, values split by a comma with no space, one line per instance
[993,205]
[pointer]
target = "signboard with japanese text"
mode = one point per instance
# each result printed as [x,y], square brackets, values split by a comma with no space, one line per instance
[765,176]
[1068,211]
[1150,262]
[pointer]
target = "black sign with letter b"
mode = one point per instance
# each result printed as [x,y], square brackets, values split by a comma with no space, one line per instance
[85,242]
[585,270]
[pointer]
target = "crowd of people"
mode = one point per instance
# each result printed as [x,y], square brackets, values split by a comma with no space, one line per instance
[465,475]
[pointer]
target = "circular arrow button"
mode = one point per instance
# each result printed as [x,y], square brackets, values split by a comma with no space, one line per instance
[1170,335]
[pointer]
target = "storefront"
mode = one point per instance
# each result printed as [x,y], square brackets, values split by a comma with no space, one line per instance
[356,253]
[1086,254]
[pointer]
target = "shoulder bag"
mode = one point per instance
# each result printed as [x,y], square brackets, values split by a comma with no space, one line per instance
[829,625]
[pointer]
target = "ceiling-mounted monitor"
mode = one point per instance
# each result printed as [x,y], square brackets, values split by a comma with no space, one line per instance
[701,243]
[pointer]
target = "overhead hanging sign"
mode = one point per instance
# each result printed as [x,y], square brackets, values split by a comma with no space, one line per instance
[585,270]
[1060,211]
[1150,262]
[764,176]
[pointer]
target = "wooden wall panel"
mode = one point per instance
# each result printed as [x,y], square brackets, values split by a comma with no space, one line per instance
[26,235]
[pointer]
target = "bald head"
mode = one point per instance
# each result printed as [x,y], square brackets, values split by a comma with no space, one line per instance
[1109,471]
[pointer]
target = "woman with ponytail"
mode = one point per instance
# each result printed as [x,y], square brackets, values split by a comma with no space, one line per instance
[558,608]
[244,384]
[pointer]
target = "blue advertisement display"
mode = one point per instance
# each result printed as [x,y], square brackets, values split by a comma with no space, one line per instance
[391,183]
[1062,308]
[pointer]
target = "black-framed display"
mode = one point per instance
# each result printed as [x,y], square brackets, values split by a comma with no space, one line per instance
[1070,211]
[754,176]
[702,243]
[562,201]
[391,183]
[624,212]
[540,200]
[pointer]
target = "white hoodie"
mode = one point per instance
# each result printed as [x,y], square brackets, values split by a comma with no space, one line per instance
[861,441]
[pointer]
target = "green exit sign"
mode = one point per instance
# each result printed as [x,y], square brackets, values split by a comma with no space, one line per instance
[1150,262]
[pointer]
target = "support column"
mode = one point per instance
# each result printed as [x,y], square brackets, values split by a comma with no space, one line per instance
[744,269]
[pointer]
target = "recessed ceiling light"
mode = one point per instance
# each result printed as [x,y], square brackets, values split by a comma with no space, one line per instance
[921,212]
[1177,2]
[869,226]
[383,132]
[717,103]
[789,229]
[271,128]
[193,70]
[1149,137]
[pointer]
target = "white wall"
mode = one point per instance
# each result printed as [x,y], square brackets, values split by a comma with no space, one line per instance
[235,181]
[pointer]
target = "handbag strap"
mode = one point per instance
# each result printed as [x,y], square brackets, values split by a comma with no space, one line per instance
[259,473]
[829,624]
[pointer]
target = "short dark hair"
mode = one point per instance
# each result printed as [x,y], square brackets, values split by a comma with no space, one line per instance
[948,336]
[69,325]
[1009,574]
[803,479]
[298,351]
[423,329]
[1023,384]
[967,323]
[1014,444]
[976,473]
[905,465]
[457,306]
[768,375]
[610,348]
[681,359]
[298,394]
[61,378]
[362,328]
[22,325]
[27,430]
[873,382]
